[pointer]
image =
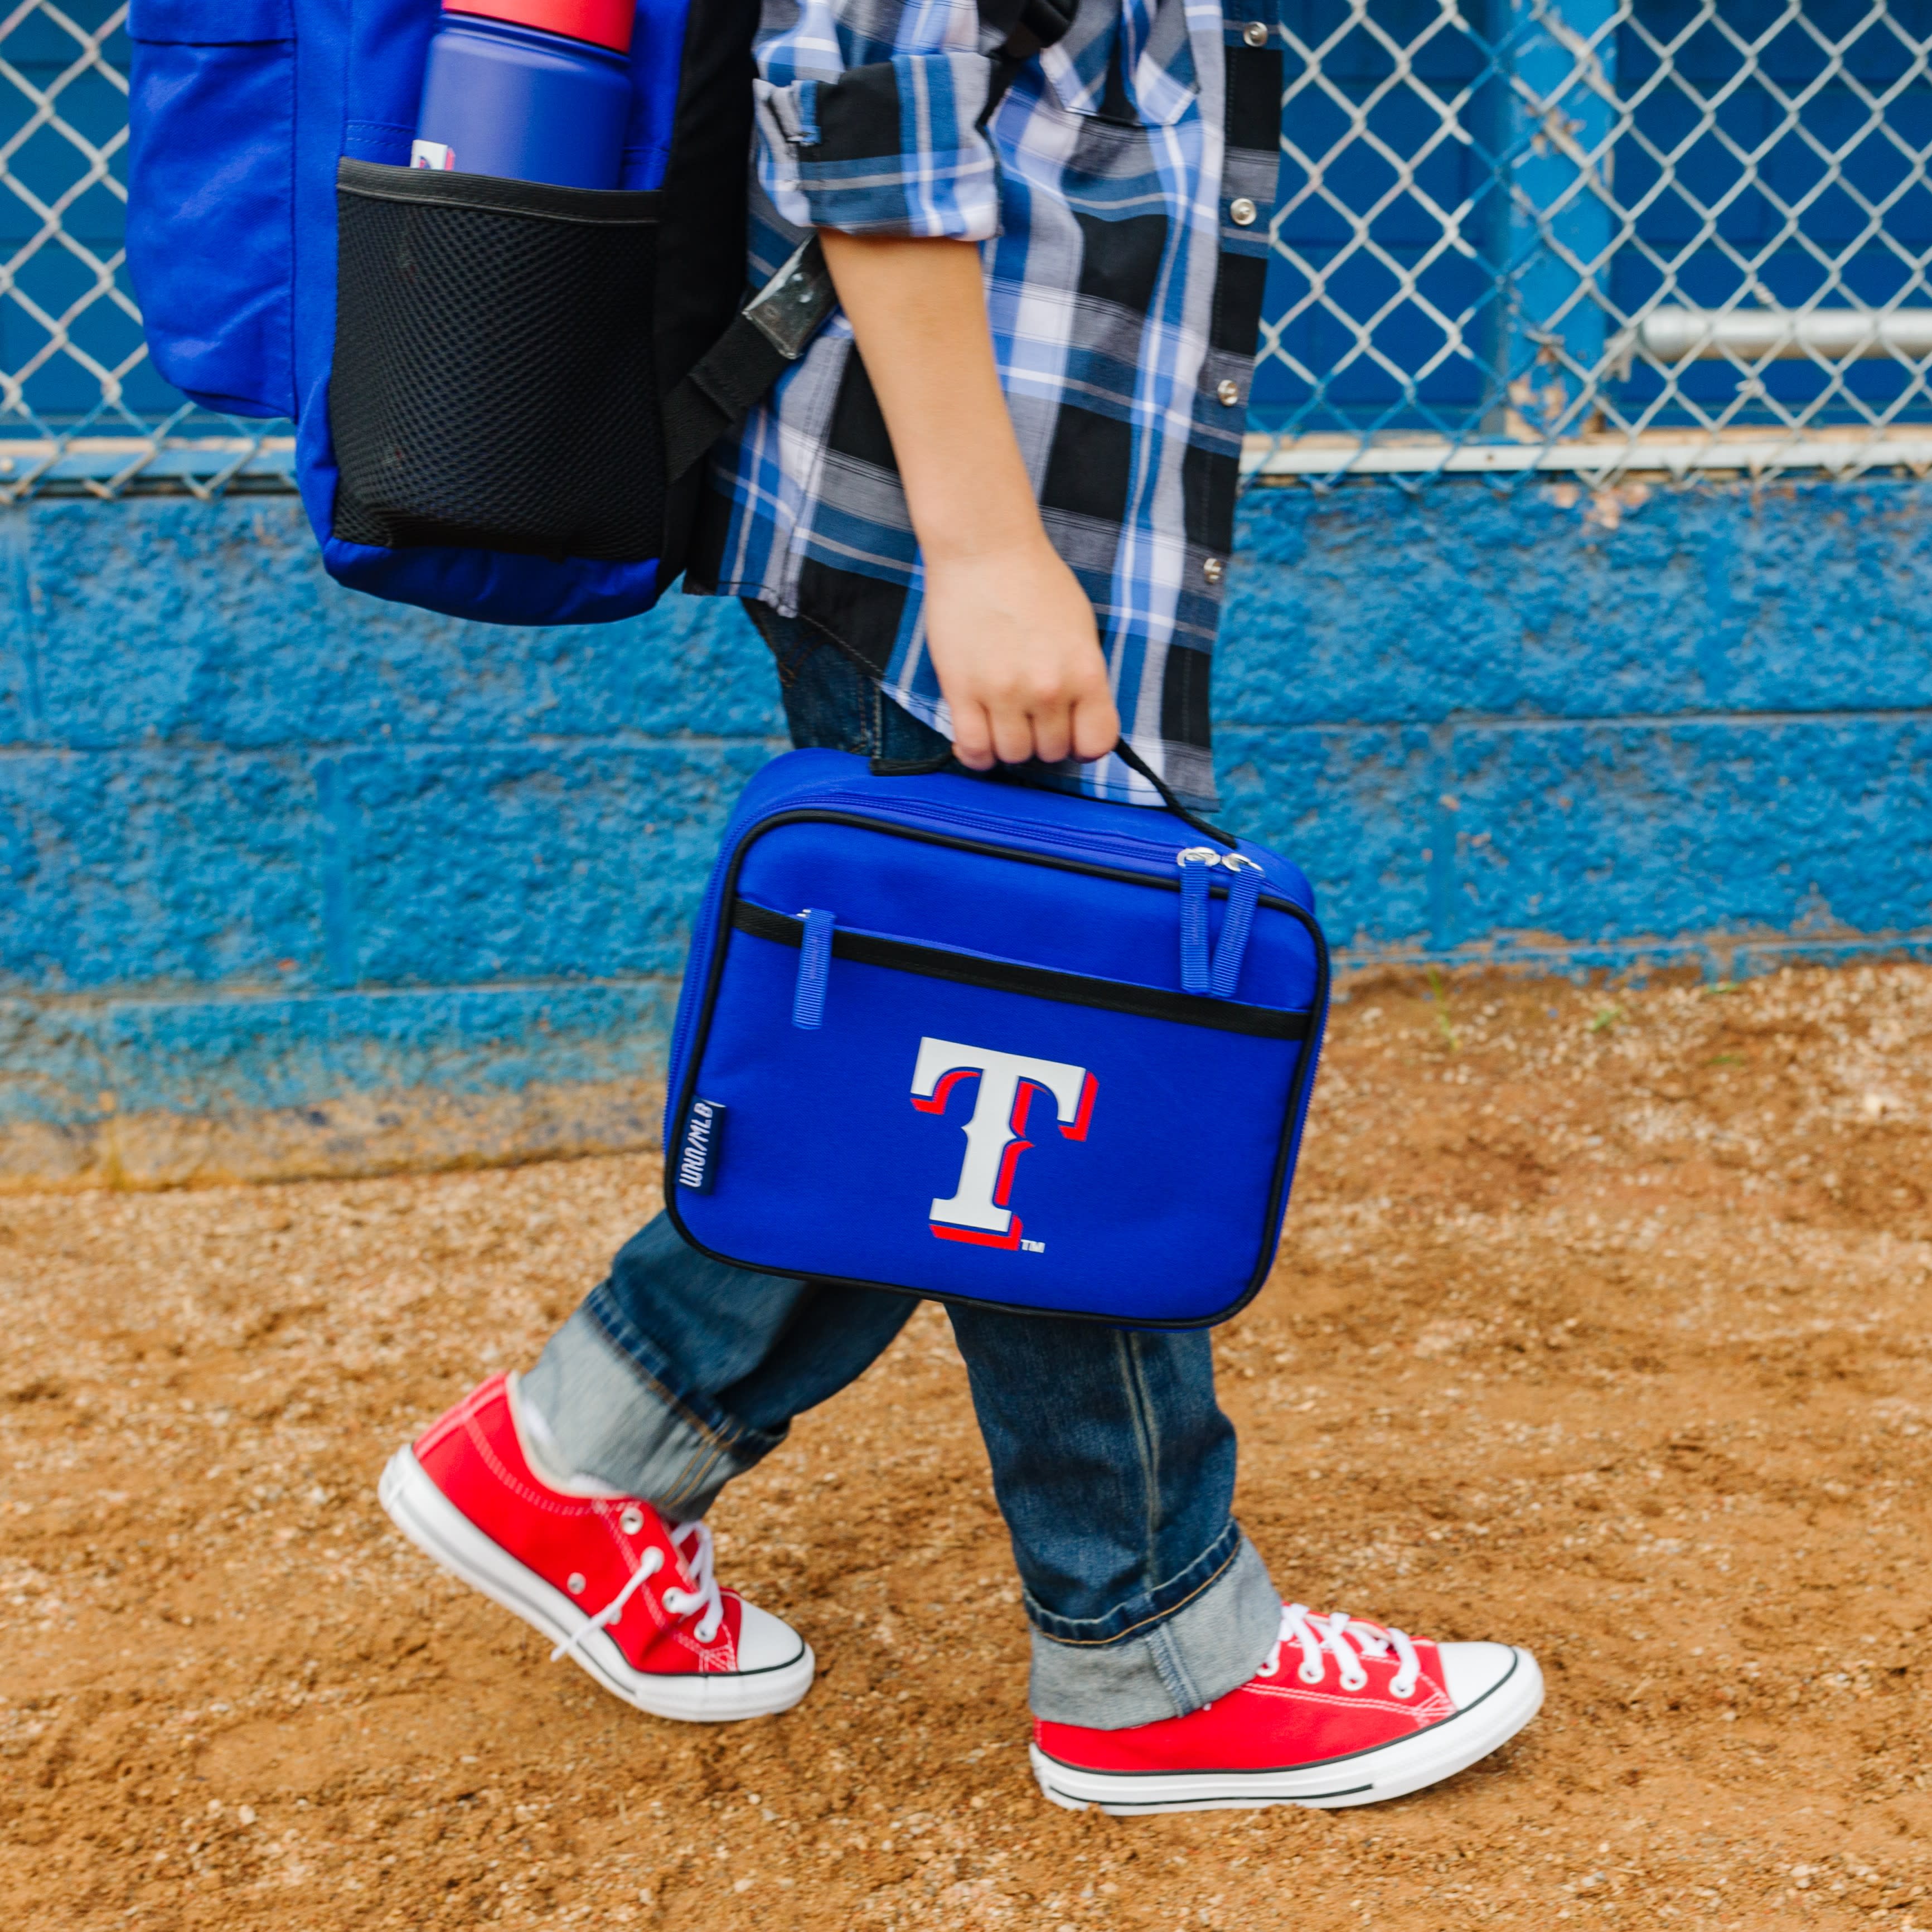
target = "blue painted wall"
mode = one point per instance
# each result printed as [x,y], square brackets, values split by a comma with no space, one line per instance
[1668,724]
[291,880]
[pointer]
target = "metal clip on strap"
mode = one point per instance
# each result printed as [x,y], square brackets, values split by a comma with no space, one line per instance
[1220,979]
[788,310]
[769,334]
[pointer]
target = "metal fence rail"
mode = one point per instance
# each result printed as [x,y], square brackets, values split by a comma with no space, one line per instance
[1536,235]
[1512,237]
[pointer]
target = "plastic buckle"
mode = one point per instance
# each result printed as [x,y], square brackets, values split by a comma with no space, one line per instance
[788,310]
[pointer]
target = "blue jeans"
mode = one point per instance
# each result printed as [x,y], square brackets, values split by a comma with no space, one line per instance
[1113,1464]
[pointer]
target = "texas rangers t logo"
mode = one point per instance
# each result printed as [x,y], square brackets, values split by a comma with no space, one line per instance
[976,1209]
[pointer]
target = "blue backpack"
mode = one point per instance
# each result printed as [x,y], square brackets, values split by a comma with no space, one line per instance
[501,389]
[993,1044]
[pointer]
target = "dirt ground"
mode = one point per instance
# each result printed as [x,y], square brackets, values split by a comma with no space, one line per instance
[1601,1324]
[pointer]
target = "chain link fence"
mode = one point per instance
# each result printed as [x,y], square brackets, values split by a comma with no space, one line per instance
[81,407]
[1522,235]
[1512,237]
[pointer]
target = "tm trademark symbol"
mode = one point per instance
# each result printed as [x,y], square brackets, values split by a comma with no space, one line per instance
[1033,1247]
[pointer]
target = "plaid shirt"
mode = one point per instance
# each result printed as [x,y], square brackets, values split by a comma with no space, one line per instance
[1122,187]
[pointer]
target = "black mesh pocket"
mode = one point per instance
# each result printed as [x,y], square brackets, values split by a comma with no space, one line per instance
[493,385]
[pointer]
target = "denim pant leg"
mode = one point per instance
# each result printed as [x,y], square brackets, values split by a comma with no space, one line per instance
[1115,1469]
[1112,1463]
[679,1372]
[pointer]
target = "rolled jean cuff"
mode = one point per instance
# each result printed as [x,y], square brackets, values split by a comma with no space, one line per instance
[611,1401]
[1184,1643]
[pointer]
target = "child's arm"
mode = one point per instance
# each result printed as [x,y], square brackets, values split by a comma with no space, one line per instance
[1011,634]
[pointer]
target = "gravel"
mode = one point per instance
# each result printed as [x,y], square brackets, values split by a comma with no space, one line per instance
[1601,1325]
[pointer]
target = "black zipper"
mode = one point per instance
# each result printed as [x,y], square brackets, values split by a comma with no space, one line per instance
[1039,983]
[700,1014]
[1167,881]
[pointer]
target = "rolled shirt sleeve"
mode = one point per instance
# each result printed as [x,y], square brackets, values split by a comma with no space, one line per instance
[868,119]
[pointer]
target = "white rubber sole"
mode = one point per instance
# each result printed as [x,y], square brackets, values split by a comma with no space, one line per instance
[444,1534]
[1366,1778]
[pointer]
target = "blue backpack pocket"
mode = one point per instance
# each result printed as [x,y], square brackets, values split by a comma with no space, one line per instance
[211,236]
[492,405]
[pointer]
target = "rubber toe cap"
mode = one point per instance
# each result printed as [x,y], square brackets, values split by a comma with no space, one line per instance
[766,1642]
[1471,1671]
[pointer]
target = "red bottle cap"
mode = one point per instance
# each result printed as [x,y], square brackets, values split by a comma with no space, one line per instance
[604,23]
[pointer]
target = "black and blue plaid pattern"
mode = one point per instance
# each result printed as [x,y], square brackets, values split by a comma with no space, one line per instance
[1124,296]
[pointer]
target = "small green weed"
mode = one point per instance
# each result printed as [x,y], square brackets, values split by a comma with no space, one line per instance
[1445,1027]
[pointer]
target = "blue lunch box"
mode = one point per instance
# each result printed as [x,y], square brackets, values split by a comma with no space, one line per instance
[993,1044]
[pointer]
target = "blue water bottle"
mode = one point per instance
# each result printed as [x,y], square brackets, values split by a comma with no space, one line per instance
[529,90]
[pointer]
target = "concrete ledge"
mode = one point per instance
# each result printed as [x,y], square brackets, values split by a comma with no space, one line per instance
[1715,955]
[167,1091]
[415,1129]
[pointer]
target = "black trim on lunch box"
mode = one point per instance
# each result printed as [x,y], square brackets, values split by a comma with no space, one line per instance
[1040,982]
[495,194]
[1296,1112]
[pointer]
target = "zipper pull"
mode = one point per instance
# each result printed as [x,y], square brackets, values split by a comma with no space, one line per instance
[1236,924]
[1195,863]
[814,968]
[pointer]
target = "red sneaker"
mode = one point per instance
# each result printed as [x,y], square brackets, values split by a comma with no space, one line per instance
[1396,1713]
[465,1495]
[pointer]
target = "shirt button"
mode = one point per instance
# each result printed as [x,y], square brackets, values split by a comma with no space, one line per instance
[1212,568]
[1242,212]
[1255,33]
[1228,390]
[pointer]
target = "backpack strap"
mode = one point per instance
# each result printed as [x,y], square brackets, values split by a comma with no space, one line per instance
[773,329]
[766,336]
[1024,27]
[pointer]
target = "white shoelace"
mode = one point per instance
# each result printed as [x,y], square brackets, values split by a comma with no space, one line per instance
[692,1542]
[1347,1640]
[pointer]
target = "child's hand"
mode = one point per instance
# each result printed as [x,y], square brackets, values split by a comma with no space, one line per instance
[1013,638]
[1011,633]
